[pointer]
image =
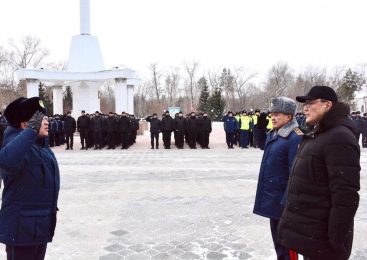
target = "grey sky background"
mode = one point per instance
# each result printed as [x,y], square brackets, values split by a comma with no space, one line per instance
[215,33]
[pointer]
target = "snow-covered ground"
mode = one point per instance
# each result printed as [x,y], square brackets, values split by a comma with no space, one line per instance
[168,204]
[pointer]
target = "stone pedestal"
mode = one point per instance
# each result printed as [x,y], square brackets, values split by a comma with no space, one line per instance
[32,88]
[130,99]
[57,93]
[121,96]
[85,97]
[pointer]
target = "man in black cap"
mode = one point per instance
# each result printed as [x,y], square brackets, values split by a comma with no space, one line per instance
[356,118]
[167,126]
[124,129]
[155,127]
[83,125]
[111,127]
[97,128]
[322,198]
[31,182]
[70,128]
[179,126]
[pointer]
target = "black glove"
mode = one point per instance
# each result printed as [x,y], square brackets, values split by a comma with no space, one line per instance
[36,121]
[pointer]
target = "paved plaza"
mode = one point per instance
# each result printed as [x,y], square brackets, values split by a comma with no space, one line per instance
[162,204]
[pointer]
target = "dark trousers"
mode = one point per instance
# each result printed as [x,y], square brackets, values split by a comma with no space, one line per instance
[244,138]
[260,138]
[282,252]
[83,137]
[125,140]
[36,252]
[69,140]
[192,139]
[167,139]
[254,133]
[98,139]
[230,139]
[179,139]
[205,139]
[156,137]
[111,140]
[51,139]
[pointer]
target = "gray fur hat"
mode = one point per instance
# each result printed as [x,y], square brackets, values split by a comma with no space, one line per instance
[283,105]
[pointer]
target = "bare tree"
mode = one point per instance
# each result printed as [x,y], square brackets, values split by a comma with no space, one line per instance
[242,78]
[191,70]
[156,76]
[171,85]
[335,79]
[279,79]
[312,76]
[28,54]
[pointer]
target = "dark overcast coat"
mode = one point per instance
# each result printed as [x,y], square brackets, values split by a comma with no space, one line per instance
[31,187]
[323,190]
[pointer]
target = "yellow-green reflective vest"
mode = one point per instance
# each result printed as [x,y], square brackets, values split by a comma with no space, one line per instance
[254,119]
[270,124]
[237,118]
[245,123]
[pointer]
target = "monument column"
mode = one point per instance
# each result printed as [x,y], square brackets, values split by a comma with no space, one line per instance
[58,96]
[33,88]
[121,94]
[130,99]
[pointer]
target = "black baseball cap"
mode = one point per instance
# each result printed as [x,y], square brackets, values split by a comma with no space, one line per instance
[322,92]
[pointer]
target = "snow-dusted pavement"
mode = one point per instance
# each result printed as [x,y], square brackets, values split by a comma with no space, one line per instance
[168,204]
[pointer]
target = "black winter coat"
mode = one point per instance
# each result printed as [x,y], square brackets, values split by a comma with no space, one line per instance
[111,124]
[97,124]
[180,124]
[323,190]
[69,125]
[205,125]
[167,124]
[155,124]
[124,124]
[192,124]
[83,123]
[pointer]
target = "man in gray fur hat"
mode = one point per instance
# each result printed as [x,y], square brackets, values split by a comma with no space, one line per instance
[280,149]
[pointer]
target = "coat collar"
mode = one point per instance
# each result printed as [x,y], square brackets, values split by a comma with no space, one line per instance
[287,129]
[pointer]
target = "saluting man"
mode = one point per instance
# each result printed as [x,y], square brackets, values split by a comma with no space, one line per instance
[31,182]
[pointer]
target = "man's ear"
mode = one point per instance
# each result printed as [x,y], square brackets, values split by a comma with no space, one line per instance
[23,125]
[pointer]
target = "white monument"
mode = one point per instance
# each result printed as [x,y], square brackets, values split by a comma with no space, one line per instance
[85,74]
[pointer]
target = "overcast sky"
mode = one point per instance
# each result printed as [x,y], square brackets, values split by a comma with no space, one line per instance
[251,33]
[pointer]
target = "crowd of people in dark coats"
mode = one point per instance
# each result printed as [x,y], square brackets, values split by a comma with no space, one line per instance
[193,128]
[97,131]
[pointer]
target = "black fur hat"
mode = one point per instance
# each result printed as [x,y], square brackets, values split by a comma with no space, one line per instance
[22,109]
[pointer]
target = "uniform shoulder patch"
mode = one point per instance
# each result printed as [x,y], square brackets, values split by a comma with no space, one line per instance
[298,131]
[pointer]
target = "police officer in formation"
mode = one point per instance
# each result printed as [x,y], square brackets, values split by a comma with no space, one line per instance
[70,128]
[167,127]
[83,126]
[155,128]
[247,129]
[190,128]
[96,130]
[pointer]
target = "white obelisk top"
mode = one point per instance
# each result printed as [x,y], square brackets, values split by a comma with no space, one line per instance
[84,17]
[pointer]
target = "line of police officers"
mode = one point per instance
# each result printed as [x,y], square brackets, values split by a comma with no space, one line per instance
[190,128]
[96,130]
